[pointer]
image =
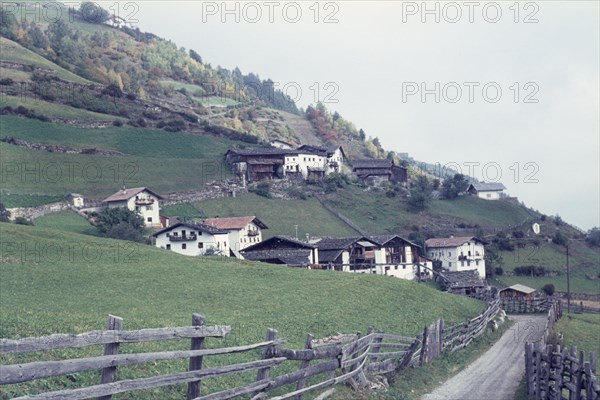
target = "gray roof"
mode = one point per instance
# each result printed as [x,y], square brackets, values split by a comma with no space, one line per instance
[194,227]
[462,279]
[383,239]
[292,257]
[487,186]
[336,243]
[262,151]
[520,288]
[327,256]
[282,241]
[372,163]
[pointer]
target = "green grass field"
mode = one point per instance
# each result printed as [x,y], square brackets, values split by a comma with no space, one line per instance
[153,159]
[580,330]
[281,216]
[54,110]
[68,221]
[379,214]
[69,282]
[14,52]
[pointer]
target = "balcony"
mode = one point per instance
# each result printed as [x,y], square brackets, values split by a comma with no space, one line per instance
[183,238]
[253,233]
[144,202]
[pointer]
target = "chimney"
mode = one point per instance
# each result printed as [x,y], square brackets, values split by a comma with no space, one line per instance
[451,236]
[123,190]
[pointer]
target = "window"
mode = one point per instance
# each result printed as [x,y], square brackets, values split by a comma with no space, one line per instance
[183,246]
[149,208]
[449,254]
[449,264]
[168,247]
[200,245]
[183,233]
[476,262]
[149,219]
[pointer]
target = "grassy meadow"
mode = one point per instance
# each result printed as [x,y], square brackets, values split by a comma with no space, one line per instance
[67,282]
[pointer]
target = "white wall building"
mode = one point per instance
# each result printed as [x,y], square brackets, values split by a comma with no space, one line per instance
[243,231]
[142,200]
[193,240]
[458,253]
[487,191]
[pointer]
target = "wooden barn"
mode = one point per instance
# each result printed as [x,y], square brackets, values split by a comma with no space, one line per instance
[379,170]
[518,292]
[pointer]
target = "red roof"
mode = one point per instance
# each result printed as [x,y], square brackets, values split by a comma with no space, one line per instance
[234,222]
[451,242]
[126,194]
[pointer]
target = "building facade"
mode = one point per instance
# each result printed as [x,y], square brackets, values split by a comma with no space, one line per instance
[458,253]
[141,200]
[193,240]
[243,231]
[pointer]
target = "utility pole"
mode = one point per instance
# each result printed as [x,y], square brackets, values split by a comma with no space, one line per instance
[568,283]
[296,226]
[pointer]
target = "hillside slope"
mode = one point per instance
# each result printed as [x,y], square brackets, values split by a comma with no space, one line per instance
[56,290]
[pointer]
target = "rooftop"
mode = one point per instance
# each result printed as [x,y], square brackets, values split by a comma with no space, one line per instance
[126,194]
[232,223]
[520,288]
[487,186]
[372,163]
[193,227]
[451,241]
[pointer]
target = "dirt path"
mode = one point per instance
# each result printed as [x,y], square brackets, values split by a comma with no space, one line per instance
[496,374]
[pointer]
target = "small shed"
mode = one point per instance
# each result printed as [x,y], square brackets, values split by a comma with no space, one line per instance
[463,282]
[77,200]
[517,292]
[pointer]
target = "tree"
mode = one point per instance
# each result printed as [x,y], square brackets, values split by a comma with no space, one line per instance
[121,223]
[196,57]
[559,239]
[420,194]
[4,213]
[549,289]
[593,237]
[455,185]
[493,261]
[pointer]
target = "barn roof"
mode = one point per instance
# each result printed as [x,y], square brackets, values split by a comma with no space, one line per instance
[463,279]
[372,163]
[487,186]
[284,242]
[262,151]
[292,257]
[126,194]
[451,241]
[234,222]
[520,288]
[382,240]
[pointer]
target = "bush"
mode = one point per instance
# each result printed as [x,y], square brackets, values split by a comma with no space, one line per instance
[518,234]
[593,237]
[559,239]
[4,213]
[530,270]
[6,82]
[121,223]
[263,189]
[548,289]
[499,271]
[23,221]
[117,123]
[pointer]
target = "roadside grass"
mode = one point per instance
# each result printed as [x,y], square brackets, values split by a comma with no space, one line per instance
[74,290]
[412,383]
[68,221]
[281,216]
[581,330]
[55,110]
[14,52]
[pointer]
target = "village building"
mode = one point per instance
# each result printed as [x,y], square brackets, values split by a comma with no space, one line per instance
[305,162]
[400,258]
[283,250]
[487,191]
[379,170]
[280,144]
[193,239]
[517,292]
[243,231]
[463,282]
[458,253]
[141,200]
[77,200]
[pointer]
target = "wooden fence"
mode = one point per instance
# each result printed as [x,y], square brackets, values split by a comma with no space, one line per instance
[348,358]
[555,373]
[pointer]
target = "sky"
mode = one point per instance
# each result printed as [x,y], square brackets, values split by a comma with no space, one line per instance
[504,91]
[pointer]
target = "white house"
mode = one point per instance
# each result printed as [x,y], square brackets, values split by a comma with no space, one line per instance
[77,200]
[193,239]
[142,200]
[243,231]
[400,258]
[487,190]
[458,253]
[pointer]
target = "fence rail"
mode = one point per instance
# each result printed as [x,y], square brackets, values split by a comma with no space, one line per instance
[344,358]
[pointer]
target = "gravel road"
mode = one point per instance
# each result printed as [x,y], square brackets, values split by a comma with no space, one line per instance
[496,374]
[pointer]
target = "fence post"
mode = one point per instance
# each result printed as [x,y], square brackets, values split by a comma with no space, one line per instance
[113,323]
[194,388]
[263,373]
[424,345]
[441,331]
[304,364]
[376,349]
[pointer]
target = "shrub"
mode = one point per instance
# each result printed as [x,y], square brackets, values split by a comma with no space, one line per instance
[4,213]
[120,223]
[263,189]
[23,221]
[6,82]
[530,270]
[499,271]
[548,289]
[518,234]
[593,237]
[117,123]
[559,239]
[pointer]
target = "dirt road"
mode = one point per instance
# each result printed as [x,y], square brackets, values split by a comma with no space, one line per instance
[496,374]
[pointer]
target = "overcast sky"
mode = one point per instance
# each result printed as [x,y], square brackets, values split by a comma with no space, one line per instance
[539,136]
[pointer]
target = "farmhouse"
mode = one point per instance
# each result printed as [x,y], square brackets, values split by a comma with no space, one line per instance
[458,253]
[283,250]
[243,231]
[379,170]
[487,191]
[142,200]
[305,162]
[399,257]
[193,239]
